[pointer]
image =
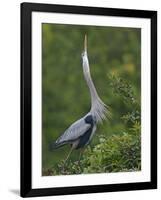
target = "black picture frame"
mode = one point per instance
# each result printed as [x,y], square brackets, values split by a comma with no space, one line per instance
[26,103]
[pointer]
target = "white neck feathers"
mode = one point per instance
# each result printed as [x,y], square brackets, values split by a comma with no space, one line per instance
[98,108]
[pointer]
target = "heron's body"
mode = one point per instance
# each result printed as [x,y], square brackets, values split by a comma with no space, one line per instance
[80,133]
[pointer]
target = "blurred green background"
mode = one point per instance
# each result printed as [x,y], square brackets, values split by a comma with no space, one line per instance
[65,96]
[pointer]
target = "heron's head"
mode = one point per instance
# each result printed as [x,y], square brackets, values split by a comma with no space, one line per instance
[85,56]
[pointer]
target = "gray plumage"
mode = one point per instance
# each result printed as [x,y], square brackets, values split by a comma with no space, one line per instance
[76,130]
[80,133]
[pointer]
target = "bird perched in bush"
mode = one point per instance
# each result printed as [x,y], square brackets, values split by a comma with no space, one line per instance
[80,133]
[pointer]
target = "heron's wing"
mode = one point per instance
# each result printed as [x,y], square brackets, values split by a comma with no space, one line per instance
[77,129]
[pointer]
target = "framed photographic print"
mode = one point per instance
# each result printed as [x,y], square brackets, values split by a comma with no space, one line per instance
[88,99]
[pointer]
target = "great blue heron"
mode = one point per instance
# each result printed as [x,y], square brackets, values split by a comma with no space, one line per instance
[80,133]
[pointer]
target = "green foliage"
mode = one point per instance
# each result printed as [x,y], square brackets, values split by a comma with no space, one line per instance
[123,89]
[131,117]
[65,96]
[115,154]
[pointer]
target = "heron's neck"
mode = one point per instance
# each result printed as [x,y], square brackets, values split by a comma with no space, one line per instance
[98,108]
[92,89]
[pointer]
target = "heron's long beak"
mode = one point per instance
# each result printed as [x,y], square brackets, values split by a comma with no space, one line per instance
[85,43]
